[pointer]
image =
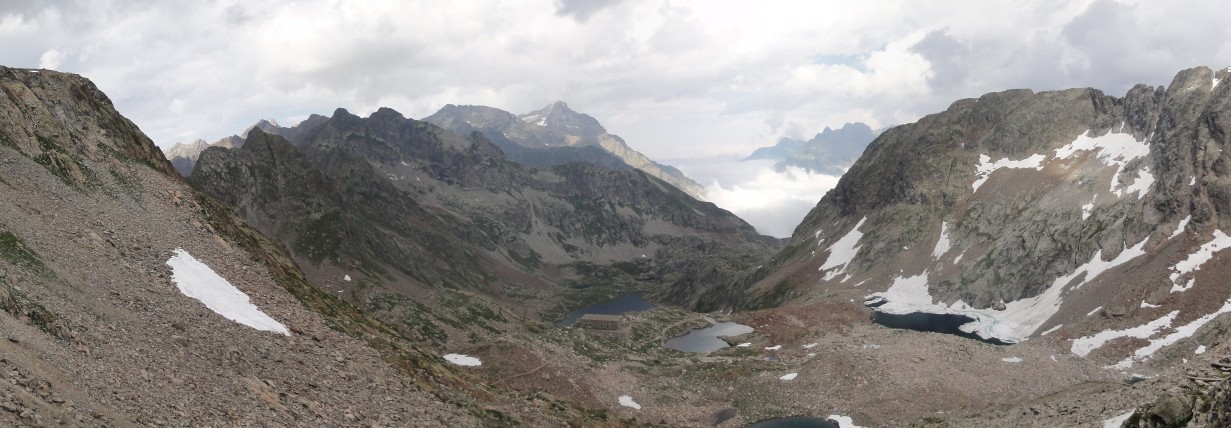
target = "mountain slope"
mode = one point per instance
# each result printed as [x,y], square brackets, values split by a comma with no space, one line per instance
[550,132]
[1070,212]
[101,246]
[406,209]
[99,335]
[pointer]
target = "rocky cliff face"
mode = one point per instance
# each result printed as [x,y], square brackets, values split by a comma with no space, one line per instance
[404,209]
[556,135]
[1068,213]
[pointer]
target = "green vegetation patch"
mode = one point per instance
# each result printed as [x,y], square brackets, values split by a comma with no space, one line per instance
[65,166]
[15,251]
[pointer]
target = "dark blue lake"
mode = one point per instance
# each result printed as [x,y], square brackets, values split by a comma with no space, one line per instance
[616,306]
[935,323]
[795,422]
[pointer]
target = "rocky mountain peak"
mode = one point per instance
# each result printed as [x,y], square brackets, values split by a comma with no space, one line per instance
[558,116]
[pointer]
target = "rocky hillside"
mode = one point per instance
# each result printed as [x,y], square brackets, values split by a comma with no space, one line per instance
[555,135]
[130,299]
[441,234]
[830,152]
[1097,219]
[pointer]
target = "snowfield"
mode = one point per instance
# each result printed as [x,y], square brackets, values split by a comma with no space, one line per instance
[844,421]
[198,281]
[627,401]
[463,360]
[987,167]
[842,252]
[1020,318]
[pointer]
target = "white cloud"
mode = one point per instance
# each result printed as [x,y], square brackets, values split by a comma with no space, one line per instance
[51,59]
[772,201]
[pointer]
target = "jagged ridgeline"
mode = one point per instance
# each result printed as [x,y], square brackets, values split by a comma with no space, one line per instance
[98,326]
[1032,212]
[441,233]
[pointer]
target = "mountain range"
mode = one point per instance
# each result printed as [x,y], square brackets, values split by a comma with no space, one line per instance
[409,211]
[830,152]
[1020,259]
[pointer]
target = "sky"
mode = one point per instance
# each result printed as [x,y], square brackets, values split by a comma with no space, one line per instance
[681,81]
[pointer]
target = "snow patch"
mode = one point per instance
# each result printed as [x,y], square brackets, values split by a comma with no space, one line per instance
[1181,332]
[744,345]
[1194,261]
[1180,228]
[773,348]
[986,167]
[346,278]
[1200,350]
[1051,330]
[1146,305]
[842,252]
[810,346]
[1087,208]
[196,280]
[463,360]
[844,421]
[1084,345]
[942,244]
[789,376]
[1095,311]
[1019,319]
[1114,149]
[1012,359]
[627,401]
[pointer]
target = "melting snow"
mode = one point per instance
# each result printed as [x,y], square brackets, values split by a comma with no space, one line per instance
[1118,421]
[842,252]
[627,401]
[198,281]
[1194,261]
[1012,359]
[810,346]
[987,167]
[1200,350]
[1085,209]
[1145,305]
[346,278]
[1114,149]
[1180,228]
[1192,181]
[1051,330]
[1084,345]
[1140,186]
[844,421]
[1180,332]
[463,360]
[773,348]
[744,345]
[1019,319]
[1095,311]
[942,244]
[789,376]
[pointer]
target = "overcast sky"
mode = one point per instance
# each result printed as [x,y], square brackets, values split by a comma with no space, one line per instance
[676,79]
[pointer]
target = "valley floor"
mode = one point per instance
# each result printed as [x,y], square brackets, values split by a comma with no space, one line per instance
[820,360]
